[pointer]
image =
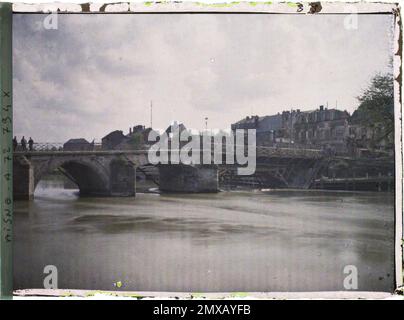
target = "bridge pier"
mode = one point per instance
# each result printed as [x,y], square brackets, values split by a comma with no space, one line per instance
[23,179]
[188,179]
[122,179]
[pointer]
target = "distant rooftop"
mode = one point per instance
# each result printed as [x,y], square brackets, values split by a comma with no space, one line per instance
[78,140]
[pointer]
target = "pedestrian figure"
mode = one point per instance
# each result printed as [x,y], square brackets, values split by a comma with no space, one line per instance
[31,144]
[15,143]
[23,144]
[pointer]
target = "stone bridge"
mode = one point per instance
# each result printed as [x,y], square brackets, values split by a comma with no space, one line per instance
[96,173]
[105,173]
[113,173]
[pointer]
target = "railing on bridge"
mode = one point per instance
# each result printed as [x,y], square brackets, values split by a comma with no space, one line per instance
[58,146]
[261,151]
[289,152]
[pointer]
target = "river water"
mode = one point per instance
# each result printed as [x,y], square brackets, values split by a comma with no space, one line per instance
[231,241]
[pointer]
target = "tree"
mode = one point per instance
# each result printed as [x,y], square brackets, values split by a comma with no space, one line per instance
[136,141]
[376,109]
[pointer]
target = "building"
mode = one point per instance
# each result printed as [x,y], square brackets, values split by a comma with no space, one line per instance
[270,130]
[175,127]
[112,140]
[145,133]
[80,144]
[322,128]
[174,132]
[139,137]
[267,127]
[136,139]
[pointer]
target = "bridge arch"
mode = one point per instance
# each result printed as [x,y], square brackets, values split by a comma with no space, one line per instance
[95,173]
[90,175]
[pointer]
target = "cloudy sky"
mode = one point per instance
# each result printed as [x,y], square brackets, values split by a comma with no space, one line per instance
[98,73]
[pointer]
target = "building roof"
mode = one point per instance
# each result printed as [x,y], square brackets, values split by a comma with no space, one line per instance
[119,132]
[77,141]
[273,122]
[263,123]
[248,120]
[176,126]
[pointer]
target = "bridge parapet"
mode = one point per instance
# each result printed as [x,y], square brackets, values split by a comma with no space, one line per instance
[54,146]
[62,153]
[261,151]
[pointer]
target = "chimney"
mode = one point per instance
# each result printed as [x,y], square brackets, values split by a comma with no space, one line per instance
[130,130]
[321,108]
